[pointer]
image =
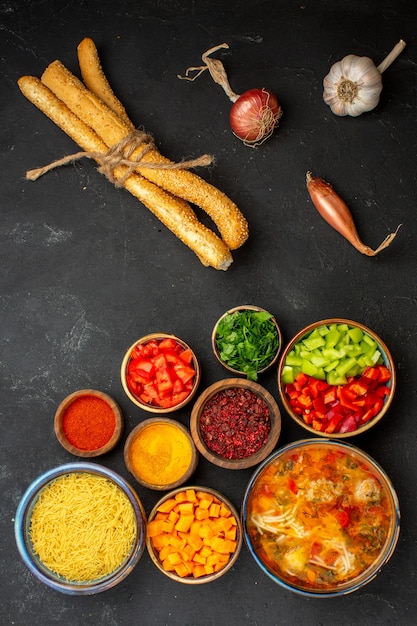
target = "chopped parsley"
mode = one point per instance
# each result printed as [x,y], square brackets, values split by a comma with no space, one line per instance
[247,341]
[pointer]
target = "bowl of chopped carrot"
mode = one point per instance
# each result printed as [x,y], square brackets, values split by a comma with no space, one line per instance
[194,535]
[247,340]
[320,517]
[235,423]
[88,423]
[336,378]
[160,373]
[66,533]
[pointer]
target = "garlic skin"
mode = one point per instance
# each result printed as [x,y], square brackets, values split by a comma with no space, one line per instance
[353,86]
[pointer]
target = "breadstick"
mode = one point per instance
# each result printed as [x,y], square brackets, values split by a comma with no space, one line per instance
[175,213]
[111,129]
[96,81]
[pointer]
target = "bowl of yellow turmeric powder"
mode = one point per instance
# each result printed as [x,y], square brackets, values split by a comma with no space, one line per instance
[160,453]
[194,535]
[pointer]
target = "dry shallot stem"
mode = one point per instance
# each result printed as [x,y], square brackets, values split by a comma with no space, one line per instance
[390,58]
[336,213]
[216,69]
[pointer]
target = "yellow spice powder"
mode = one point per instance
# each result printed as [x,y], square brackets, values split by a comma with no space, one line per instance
[160,454]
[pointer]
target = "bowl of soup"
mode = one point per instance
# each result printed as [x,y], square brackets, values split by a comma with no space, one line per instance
[321,517]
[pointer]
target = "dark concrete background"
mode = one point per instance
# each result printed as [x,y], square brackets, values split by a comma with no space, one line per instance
[86,269]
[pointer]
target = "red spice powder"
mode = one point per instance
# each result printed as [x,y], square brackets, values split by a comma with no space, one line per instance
[89,423]
[235,423]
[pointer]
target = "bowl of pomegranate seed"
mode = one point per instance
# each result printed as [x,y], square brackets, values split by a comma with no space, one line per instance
[235,423]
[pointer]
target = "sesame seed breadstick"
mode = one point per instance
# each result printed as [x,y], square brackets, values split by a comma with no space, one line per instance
[225,214]
[175,213]
[96,81]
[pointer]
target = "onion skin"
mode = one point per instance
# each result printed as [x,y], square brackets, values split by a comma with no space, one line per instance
[254,116]
[336,213]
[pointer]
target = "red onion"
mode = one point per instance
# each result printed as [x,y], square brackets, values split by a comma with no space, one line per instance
[254,114]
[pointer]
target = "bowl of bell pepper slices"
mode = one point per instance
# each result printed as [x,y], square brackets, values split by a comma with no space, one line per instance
[336,378]
[160,373]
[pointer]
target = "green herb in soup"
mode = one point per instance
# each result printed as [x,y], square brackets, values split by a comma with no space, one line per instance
[319,517]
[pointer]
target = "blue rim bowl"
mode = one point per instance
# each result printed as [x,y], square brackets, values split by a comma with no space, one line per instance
[33,563]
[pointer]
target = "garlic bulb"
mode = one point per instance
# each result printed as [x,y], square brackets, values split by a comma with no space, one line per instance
[354,84]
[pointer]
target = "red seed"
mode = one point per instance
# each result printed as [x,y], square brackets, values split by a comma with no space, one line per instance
[235,423]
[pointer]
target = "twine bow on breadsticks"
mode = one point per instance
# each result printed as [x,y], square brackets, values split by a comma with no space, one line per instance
[120,154]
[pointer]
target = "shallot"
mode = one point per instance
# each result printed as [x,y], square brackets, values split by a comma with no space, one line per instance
[254,114]
[336,213]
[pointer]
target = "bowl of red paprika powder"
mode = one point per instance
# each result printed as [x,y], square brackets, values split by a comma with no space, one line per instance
[88,423]
[235,423]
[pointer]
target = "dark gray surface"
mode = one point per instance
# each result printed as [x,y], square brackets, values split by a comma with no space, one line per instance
[86,269]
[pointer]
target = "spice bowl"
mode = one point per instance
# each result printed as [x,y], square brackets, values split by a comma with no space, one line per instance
[65,531]
[160,373]
[88,423]
[194,535]
[160,453]
[235,423]
[332,511]
[247,341]
[336,378]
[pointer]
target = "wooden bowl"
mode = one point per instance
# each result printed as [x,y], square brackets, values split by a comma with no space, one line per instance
[245,461]
[59,423]
[151,407]
[159,457]
[171,500]
[302,420]
[239,309]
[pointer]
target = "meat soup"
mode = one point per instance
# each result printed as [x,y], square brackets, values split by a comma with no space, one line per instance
[320,515]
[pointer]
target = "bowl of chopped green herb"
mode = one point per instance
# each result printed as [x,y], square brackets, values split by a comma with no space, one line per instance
[247,340]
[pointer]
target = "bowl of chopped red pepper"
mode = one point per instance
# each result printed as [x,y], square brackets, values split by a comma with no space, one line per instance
[336,378]
[235,423]
[247,340]
[88,423]
[160,373]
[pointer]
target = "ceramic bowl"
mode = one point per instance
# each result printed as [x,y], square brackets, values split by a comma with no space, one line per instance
[251,423]
[341,418]
[86,424]
[271,353]
[31,558]
[208,549]
[153,405]
[330,508]
[160,453]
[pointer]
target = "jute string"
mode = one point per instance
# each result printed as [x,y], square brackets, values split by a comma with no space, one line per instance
[120,154]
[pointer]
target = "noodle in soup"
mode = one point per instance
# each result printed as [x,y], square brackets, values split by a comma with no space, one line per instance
[319,517]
